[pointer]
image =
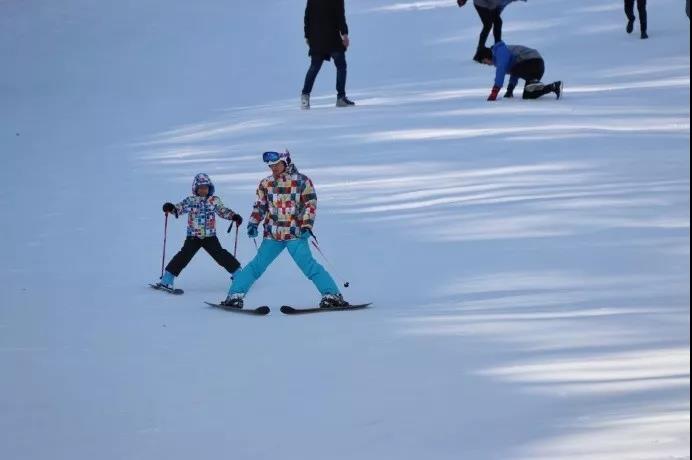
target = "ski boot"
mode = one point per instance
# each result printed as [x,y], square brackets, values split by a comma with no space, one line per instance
[166,282]
[305,101]
[333,301]
[233,301]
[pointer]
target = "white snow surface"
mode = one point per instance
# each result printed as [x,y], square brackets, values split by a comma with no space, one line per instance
[528,261]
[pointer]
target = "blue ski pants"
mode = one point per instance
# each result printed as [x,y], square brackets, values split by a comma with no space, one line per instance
[268,251]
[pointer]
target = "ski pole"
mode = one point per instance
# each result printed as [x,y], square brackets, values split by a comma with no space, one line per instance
[331,267]
[165,235]
[235,245]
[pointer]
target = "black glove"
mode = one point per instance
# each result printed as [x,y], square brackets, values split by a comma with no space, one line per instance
[168,207]
[510,92]
[461,3]
[238,219]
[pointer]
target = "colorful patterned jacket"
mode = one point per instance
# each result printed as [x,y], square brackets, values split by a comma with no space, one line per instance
[201,222]
[285,205]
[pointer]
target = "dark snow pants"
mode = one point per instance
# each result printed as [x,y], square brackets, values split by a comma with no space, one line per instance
[537,90]
[211,245]
[531,70]
[491,19]
[641,6]
[341,72]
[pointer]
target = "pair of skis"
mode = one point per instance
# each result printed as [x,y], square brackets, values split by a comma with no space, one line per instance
[286,309]
[265,310]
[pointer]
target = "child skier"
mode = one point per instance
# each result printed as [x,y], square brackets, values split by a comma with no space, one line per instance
[286,206]
[202,207]
[518,62]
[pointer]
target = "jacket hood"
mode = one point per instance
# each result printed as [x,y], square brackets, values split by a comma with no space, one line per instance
[202,179]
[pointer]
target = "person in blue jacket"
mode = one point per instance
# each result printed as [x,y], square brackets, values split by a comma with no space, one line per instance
[518,62]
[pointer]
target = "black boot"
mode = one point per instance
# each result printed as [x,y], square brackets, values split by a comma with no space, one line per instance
[233,301]
[333,301]
[557,89]
[645,34]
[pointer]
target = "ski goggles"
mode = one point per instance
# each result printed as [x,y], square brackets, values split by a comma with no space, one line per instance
[272,158]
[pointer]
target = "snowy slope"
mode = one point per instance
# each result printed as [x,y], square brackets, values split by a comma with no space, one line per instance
[529,262]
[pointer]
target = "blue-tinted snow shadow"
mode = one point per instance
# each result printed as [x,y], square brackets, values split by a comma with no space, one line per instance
[582,338]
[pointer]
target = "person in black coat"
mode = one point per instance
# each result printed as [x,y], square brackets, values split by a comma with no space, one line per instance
[326,33]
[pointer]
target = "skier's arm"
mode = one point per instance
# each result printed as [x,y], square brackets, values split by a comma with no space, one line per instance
[221,210]
[184,206]
[261,207]
[503,58]
[309,200]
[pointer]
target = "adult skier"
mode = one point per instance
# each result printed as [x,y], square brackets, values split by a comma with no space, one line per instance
[202,207]
[518,62]
[286,207]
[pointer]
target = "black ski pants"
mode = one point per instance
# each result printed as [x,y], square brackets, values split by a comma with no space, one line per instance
[211,245]
[538,90]
[641,6]
[491,19]
[531,70]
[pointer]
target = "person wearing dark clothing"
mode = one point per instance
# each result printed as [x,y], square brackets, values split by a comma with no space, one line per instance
[519,62]
[490,13]
[643,17]
[492,20]
[326,33]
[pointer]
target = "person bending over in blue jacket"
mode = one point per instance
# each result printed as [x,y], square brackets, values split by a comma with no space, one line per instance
[518,62]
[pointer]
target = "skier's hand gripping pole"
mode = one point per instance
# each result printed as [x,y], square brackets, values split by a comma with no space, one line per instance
[170,208]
